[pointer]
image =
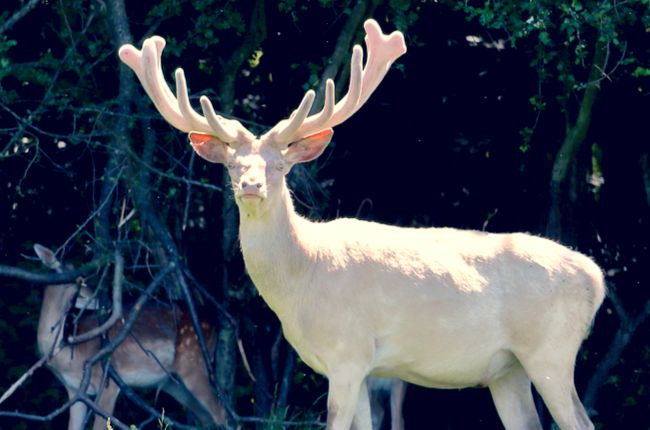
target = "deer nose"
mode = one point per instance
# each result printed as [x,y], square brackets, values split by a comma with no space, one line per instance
[251,185]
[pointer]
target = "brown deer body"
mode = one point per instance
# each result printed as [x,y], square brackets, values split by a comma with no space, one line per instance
[161,350]
[437,307]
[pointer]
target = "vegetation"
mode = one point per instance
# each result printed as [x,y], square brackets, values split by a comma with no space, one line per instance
[503,116]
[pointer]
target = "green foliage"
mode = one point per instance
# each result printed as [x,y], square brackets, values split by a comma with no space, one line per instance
[163,10]
[640,71]
[404,13]
[5,46]
[564,38]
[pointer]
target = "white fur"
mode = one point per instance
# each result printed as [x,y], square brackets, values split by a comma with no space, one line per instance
[437,307]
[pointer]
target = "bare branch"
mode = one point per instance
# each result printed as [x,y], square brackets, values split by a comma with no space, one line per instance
[341,50]
[116,312]
[18,15]
[137,400]
[23,378]
[40,278]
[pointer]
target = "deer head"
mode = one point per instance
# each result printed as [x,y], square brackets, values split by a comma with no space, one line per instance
[162,350]
[258,165]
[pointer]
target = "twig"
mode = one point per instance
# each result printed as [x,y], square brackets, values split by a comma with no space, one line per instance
[116,312]
[247,366]
[281,422]
[18,15]
[45,278]
[22,379]
[92,215]
[204,292]
[137,400]
[188,195]
[181,179]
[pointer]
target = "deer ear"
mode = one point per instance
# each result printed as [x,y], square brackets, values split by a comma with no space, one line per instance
[209,147]
[309,147]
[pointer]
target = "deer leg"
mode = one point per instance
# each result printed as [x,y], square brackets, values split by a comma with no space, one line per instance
[397,393]
[553,379]
[204,397]
[77,412]
[343,395]
[362,418]
[106,399]
[561,399]
[377,412]
[513,399]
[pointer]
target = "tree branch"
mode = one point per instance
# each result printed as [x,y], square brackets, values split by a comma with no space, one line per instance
[18,15]
[575,137]
[341,52]
[626,330]
[39,278]
[116,312]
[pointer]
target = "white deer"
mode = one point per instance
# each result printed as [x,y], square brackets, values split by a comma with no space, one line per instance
[438,307]
[161,350]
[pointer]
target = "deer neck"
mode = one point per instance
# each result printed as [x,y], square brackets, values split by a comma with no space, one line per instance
[55,302]
[276,257]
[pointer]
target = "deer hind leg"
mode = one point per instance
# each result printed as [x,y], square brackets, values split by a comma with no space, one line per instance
[552,374]
[513,398]
[397,393]
[106,399]
[197,394]
[77,412]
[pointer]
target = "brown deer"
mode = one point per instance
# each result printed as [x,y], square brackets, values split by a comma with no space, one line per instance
[437,307]
[161,350]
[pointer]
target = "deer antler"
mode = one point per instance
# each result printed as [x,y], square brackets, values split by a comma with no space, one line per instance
[176,109]
[383,50]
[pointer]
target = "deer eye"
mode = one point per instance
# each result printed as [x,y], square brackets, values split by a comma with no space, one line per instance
[279,166]
[230,165]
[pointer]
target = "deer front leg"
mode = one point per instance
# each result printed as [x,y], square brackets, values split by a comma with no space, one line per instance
[362,417]
[347,388]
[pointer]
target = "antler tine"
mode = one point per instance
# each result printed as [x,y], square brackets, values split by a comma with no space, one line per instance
[318,121]
[383,50]
[175,109]
[218,123]
[144,64]
[350,103]
[297,118]
[194,121]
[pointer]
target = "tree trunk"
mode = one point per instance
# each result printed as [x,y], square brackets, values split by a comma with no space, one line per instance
[621,340]
[226,355]
[562,190]
[341,52]
[627,327]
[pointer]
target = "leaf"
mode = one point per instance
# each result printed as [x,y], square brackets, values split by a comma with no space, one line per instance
[641,72]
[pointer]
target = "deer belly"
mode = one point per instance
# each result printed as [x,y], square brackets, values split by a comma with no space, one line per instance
[143,376]
[473,365]
[144,365]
